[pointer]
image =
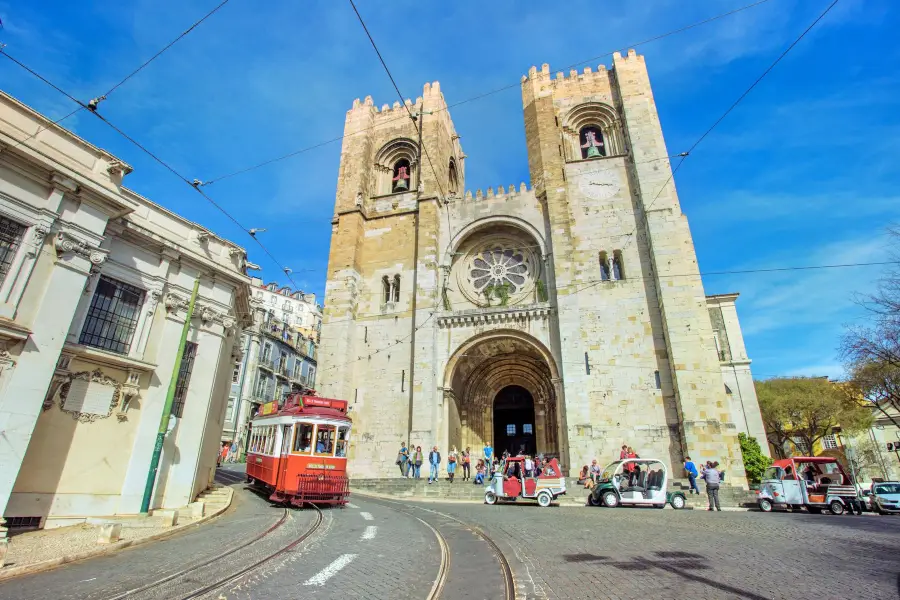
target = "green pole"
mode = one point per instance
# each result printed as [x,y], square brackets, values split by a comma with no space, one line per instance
[170,399]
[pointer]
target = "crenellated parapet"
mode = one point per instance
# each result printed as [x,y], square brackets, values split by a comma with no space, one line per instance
[499,193]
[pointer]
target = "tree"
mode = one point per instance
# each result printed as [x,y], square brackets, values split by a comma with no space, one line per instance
[872,351]
[755,462]
[803,410]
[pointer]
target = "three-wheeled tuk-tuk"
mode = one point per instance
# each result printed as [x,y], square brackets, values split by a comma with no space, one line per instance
[637,482]
[512,482]
[814,482]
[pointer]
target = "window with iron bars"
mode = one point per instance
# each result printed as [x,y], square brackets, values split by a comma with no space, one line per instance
[829,442]
[113,316]
[184,378]
[10,239]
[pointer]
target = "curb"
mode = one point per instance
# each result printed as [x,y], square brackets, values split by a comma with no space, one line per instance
[47,565]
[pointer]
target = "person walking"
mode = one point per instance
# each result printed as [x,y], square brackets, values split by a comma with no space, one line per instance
[466,463]
[232,452]
[452,457]
[691,469]
[434,461]
[713,477]
[417,462]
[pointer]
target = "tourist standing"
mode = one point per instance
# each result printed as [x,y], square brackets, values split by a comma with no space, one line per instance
[466,463]
[434,462]
[712,477]
[417,462]
[403,459]
[691,469]
[452,457]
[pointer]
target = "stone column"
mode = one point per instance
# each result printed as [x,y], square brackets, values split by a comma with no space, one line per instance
[21,403]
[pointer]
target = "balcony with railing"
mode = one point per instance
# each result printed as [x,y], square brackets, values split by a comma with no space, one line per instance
[266,363]
[282,370]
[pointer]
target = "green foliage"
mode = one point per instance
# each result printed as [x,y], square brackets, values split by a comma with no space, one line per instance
[445,299]
[755,462]
[503,293]
[541,291]
[489,293]
[803,410]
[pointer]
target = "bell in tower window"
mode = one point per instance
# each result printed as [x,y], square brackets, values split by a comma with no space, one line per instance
[401,176]
[592,143]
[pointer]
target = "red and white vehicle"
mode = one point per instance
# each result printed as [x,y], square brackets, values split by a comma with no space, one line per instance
[816,483]
[299,453]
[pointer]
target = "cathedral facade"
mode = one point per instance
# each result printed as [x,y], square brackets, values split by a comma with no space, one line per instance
[567,318]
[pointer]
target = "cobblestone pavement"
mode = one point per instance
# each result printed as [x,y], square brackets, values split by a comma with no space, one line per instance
[382,549]
[598,553]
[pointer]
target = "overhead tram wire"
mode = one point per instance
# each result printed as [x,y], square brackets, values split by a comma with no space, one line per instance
[728,111]
[157,159]
[483,95]
[130,75]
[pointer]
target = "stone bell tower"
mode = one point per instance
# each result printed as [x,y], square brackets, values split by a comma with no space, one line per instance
[637,351]
[383,277]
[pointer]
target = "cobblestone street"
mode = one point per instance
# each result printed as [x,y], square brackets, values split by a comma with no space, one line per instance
[386,549]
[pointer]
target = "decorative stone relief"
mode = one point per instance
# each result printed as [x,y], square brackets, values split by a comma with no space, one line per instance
[174,302]
[67,243]
[38,234]
[499,272]
[129,391]
[152,301]
[89,413]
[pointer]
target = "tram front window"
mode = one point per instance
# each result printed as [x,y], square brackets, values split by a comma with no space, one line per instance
[343,434]
[325,440]
[303,438]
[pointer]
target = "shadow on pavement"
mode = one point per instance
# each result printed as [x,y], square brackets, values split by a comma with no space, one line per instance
[683,564]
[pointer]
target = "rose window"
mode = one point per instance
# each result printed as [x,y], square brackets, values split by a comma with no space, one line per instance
[499,271]
[497,267]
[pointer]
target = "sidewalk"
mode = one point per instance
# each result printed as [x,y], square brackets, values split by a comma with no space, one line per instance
[35,551]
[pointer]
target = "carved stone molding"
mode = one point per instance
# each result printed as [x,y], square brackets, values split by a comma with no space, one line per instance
[39,233]
[95,376]
[495,317]
[129,392]
[67,243]
[118,168]
[175,303]
[153,297]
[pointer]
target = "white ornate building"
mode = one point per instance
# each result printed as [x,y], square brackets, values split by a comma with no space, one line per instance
[94,285]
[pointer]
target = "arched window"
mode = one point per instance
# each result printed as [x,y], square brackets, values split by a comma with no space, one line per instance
[453,178]
[386,289]
[591,130]
[618,266]
[604,267]
[396,293]
[400,182]
[591,142]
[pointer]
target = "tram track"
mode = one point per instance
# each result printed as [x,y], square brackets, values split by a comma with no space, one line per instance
[443,571]
[200,592]
[188,571]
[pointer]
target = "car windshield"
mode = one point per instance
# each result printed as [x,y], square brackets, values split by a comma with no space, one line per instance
[887,488]
[610,470]
[773,473]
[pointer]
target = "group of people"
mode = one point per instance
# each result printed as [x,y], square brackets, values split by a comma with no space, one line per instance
[410,460]
[228,453]
[709,473]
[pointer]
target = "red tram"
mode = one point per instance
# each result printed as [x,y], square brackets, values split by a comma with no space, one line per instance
[299,453]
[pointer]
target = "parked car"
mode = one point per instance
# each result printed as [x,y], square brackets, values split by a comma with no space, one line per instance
[886,497]
[635,482]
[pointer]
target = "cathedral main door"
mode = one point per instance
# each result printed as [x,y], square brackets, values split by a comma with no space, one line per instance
[500,390]
[514,421]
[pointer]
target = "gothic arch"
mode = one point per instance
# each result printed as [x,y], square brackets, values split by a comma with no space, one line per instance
[596,115]
[400,149]
[487,223]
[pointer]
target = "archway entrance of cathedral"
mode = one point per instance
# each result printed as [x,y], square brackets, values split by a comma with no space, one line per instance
[514,421]
[502,387]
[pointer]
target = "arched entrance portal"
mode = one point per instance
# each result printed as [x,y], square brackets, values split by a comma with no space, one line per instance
[502,388]
[514,421]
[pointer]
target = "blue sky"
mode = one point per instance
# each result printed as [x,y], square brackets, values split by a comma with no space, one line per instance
[803,172]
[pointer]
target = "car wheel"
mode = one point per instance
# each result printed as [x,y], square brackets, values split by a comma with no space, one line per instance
[765,505]
[544,499]
[814,510]
[610,500]
[677,502]
[593,501]
[490,498]
[836,507]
